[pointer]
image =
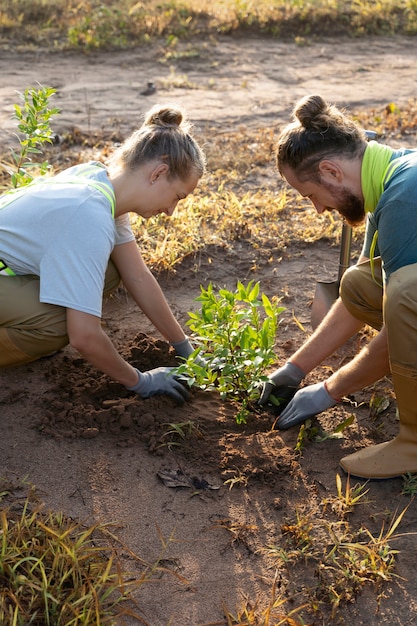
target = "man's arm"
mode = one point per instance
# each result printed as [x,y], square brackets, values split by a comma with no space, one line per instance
[371,364]
[368,366]
[336,328]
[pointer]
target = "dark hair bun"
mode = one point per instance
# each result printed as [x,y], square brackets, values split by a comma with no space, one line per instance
[309,110]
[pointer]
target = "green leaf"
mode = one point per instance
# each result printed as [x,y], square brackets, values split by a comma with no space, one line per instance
[347,422]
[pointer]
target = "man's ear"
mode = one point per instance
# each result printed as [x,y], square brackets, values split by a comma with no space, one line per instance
[158,171]
[330,171]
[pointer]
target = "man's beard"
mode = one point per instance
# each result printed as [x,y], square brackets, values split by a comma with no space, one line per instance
[349,206]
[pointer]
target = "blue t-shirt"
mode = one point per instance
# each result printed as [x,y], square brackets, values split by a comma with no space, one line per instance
[63,232]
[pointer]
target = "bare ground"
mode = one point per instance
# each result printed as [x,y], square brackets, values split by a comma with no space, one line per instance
[99,454]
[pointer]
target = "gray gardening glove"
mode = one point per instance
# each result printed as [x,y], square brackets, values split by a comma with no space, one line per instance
[283,383]
[161,381]
[307,402]
[184,348]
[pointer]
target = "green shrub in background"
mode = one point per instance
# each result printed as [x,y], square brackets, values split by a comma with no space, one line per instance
[33,123]
[236,332]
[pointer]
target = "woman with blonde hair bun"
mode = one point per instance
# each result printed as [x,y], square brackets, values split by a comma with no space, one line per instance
[66,241]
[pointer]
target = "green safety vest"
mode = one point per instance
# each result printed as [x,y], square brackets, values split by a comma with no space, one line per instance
[392,166]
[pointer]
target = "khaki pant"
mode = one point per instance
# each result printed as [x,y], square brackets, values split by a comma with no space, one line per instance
[30,329]
[399,456]
[400,315]
[365,300]
[362,293]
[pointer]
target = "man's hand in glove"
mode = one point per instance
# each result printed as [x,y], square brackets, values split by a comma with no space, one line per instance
[283,383]
[307,402]
[161,380]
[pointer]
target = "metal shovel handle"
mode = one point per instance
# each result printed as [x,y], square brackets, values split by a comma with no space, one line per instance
[346,239]
[345,249]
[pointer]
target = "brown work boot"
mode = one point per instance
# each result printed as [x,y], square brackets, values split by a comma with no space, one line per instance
[399,456]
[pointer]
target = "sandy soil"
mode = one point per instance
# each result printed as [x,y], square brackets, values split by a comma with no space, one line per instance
[99,454]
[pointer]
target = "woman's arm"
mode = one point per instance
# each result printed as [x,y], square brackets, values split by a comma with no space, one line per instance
[87,336]
[145,291]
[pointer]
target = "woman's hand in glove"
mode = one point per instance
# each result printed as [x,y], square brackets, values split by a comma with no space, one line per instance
[283,383]
[307,402]
[159,381]
[185,348]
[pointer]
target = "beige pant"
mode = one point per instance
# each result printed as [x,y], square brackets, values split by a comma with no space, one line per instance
[366,301]
[30,329]
[400,315]
[398,456]
[362,293]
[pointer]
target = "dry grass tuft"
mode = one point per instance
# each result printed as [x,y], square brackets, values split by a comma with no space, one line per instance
[55,571]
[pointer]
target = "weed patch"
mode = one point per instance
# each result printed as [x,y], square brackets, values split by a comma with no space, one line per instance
[342,559]
[54,571]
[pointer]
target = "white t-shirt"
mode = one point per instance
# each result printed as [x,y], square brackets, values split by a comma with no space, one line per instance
[63,232]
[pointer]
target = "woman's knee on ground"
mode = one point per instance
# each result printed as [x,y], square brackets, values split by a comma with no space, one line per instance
[37,340]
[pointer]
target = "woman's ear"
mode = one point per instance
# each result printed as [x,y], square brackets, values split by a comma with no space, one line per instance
[158,171]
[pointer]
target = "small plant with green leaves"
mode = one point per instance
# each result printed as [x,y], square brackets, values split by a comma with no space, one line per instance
[33,122]
[236,333]
[177,433]
[311,431]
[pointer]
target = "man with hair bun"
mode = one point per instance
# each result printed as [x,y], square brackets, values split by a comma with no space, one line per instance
[65,241]
[325,156]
